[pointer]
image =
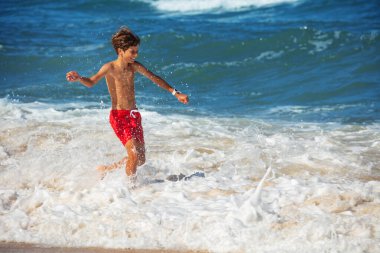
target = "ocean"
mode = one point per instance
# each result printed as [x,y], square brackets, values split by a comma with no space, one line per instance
[289,89]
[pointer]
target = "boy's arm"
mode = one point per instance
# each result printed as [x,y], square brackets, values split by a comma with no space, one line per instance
[73,76]
[183,98]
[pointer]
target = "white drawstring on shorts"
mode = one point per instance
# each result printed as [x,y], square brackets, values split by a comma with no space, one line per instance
[132,113]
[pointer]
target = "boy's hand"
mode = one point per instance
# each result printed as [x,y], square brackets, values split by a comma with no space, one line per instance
[183,98]
[72,76]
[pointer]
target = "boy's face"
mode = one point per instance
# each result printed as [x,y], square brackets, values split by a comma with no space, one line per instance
[130,54]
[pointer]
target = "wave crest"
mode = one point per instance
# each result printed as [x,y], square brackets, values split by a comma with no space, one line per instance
[196,6]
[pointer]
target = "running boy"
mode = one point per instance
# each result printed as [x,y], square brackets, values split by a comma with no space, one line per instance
[124,116]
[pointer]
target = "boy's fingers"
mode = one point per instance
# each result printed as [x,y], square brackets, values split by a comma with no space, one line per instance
[71,76]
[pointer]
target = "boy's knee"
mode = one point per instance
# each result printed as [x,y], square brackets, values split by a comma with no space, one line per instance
[136,153]
[132,156]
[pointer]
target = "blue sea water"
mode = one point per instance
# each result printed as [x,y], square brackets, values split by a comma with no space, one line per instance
[300,60]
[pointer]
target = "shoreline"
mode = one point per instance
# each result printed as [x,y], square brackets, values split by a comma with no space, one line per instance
[21,247]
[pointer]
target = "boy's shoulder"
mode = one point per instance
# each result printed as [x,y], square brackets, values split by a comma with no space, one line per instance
[108,66]
[137,65]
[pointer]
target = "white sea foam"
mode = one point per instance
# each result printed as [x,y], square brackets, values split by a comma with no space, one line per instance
[322,194]
[321,41]
[181,65]
[197,6]
[309,109]
[269,55]
[320,45]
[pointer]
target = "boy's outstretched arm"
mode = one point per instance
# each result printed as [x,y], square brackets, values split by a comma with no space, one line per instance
[73,76]
[183,98]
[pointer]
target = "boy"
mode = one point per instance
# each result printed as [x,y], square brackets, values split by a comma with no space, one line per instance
[124,116]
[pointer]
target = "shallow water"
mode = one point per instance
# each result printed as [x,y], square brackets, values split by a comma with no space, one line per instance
[323,191]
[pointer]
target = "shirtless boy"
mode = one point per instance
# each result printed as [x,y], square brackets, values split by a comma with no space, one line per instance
[124,116]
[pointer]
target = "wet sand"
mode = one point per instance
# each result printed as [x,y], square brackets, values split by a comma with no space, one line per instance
[13,247]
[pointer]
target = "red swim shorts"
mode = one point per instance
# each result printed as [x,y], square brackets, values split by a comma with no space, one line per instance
[127,125]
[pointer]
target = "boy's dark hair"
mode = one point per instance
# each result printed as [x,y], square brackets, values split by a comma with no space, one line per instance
[124,38]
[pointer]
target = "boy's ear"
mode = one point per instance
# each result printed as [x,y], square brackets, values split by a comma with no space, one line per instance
[119,50]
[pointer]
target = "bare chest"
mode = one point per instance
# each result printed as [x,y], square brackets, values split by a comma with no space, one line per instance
[124,78]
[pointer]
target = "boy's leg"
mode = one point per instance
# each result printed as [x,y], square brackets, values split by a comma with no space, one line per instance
[131,146]
[136,156]
[105,168]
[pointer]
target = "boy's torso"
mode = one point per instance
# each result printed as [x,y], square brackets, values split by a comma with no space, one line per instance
[120,82]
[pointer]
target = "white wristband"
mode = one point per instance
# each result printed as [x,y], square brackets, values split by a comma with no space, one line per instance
[175,92]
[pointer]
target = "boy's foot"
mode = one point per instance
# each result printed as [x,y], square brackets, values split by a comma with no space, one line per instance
[102,171]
